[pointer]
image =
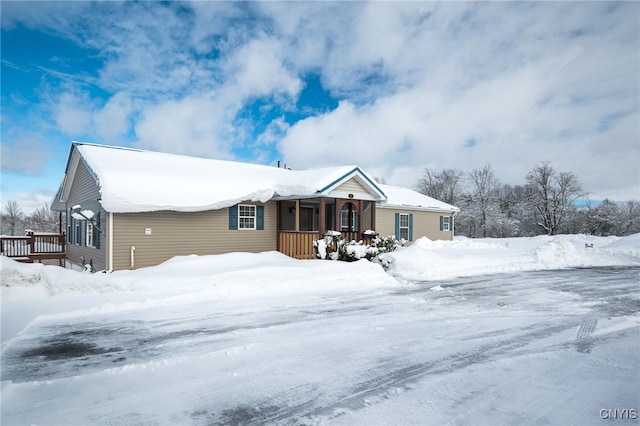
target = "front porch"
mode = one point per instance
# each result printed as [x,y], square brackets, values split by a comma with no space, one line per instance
[302,221]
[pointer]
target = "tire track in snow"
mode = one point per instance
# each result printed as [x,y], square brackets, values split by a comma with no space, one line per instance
[387,384]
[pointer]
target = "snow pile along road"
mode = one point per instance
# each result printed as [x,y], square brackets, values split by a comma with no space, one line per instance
[427,260]
[30,290]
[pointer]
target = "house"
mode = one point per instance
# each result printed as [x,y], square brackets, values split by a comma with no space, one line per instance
[129,208]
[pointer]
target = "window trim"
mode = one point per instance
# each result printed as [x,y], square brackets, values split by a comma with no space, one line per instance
[401,227]
[89,238]
[446,223]
[354,215]
[254,217]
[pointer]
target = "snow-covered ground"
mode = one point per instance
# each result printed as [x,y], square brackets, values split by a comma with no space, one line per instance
[463,332]
[435,260]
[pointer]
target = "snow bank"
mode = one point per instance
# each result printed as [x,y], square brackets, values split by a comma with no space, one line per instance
[437,260]
[28,289]
[232,274]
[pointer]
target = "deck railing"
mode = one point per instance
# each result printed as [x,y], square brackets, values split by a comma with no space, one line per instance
[34,247]
[298,245]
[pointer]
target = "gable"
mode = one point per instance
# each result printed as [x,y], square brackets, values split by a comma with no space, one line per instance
[79,184]
[351,186]
[354,184]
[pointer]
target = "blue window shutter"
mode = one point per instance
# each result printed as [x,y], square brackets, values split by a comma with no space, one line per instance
[397,225]
[96,232]
[260,218]
[410,226]
[233,217]
[442,223]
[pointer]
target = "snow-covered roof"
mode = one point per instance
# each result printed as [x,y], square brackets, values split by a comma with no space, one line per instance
[399,197]
[133,180]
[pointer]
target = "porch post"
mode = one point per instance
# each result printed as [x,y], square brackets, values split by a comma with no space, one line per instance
[297,215]
[373,216]
[278,226]
[321,217]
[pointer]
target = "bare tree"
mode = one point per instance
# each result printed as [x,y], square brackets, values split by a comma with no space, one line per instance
[12,217]
[630,218]
[484,186]
[43,220]
[445,186]
[552,195]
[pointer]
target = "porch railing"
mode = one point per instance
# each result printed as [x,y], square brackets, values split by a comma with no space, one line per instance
[34,247]
[298,245]
[351,236]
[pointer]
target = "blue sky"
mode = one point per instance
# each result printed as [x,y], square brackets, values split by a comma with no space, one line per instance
[391,86]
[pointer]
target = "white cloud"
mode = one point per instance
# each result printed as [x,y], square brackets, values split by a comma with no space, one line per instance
[29,201]
[193,125]
[256,70]
[416,81]
[526,82]
[112,121]
[27,155]
[204,124]
[72,113]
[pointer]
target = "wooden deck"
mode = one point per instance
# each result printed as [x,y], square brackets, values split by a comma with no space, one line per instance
[34,247]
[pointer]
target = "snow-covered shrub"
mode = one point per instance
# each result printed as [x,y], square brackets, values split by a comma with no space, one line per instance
[334,247]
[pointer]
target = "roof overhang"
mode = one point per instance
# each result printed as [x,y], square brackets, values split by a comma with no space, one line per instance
[453,210]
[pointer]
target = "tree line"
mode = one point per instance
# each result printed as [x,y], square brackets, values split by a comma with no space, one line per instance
[546,204]
[14,221]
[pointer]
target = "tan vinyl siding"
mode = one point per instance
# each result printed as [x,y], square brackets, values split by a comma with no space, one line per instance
[177,233]
[351,186]
[84,190]
[425,224]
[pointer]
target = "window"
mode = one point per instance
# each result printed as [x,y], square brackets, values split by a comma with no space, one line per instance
[344,220]
[446,223]
[404,226]
[89,237]
[77,231]
[246,217]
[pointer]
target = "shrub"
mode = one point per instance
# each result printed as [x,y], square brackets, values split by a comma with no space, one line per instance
[335,247]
